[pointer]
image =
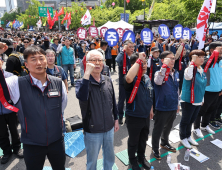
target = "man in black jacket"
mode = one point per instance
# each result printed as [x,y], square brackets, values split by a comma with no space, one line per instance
[98,108]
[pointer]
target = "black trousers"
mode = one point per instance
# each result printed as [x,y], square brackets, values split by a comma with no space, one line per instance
[122,98]
[162,126]
[208,108]
[9,121]
[34,155]
[189,115]
[114,62]
[108,63]
[217,113]
[138,129]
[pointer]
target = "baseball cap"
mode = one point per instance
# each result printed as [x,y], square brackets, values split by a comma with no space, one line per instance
[155,49]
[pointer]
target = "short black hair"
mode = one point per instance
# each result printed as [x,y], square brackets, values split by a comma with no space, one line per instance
[133,58]
[32,50]
[215,44]
[164,54]
[103,43]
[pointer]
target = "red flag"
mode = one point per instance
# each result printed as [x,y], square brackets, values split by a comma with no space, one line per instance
[13,22]
[69,16]
[55,18]
[61,11]
[65,18]
[68,23]
[49,19]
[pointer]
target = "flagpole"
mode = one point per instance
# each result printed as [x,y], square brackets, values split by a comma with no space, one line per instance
[59,20]
[124,10]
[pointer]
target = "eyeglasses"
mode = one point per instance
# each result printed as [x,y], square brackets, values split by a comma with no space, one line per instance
[200,56]
[95,61]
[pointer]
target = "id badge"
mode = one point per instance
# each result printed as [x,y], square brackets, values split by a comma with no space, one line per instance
[53,93]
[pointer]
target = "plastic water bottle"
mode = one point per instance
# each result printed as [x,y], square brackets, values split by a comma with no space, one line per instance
[169,158]
[187,155]
[152,168]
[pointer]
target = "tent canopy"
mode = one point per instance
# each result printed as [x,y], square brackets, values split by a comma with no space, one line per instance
[120,24]
[213,27]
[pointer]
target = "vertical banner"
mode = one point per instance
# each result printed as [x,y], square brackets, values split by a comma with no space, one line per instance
[202,21]
[151,10]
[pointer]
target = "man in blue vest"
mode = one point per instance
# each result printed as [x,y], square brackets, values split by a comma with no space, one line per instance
[68,59]
[166,89]
[129,49]
[8,119]
[41,99]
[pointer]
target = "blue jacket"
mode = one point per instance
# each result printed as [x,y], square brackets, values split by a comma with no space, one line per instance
[67,55]
[143,100]
[166,95]
[119,60]
[199,88]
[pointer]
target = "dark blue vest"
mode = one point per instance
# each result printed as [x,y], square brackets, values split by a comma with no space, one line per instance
[166,95]
[143,101]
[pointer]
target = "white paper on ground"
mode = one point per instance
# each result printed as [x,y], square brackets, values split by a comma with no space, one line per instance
[217,142]
[202,158]
[149,142]
[177,127]
[175,165]
[174,136]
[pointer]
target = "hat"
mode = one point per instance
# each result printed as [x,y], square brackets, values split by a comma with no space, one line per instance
[155,49]
[92,43]
[161,39]
[82,42]
[46,39]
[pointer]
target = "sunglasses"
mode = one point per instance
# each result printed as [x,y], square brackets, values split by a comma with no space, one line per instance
[26,42]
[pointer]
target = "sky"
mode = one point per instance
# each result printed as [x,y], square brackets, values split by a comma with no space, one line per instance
[2,4]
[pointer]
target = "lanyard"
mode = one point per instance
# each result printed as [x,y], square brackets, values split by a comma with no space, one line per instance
[214,57]
[4,94]
[151,68]
[136,86]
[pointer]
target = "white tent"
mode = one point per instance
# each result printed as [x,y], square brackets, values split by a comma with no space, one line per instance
[120,24]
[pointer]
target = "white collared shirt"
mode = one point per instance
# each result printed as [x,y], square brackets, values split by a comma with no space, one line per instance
[13,86]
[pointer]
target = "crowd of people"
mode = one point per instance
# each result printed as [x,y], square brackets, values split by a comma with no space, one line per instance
[156,81]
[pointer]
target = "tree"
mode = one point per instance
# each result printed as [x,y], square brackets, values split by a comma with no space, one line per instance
[133,5]
[10,17]
[31,15]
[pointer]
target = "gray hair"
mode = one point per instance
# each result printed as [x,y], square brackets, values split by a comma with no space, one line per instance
[128,42]
[50,51]
[93,53]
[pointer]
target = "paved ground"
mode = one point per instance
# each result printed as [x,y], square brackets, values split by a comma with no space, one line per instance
[120,138]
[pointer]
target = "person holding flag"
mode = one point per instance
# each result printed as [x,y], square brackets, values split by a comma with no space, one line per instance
[166,87]
[193,90]
[139,109]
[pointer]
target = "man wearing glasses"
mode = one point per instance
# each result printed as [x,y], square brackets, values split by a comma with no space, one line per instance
[99,112]
[166,87]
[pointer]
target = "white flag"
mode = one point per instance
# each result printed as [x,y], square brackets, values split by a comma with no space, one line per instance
[213,8]
[202,21]
[39,23]
[86,19]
